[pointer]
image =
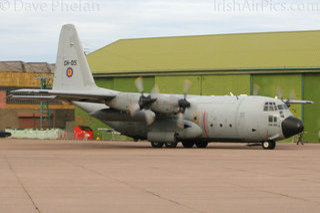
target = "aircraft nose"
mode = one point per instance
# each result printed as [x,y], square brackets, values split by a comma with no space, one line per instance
[291,126]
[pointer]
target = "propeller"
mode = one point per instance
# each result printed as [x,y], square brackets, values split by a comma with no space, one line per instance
[291,97]
[280,96]
[155,92]
[183,104]
[279,93]
[256,89]
[144,103]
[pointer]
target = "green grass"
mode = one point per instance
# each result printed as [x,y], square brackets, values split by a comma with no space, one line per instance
[82,118]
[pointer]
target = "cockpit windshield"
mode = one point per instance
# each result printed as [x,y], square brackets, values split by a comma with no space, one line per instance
[282,106]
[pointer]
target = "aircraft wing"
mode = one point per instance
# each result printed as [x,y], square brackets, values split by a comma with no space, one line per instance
[98,95]
[298,102]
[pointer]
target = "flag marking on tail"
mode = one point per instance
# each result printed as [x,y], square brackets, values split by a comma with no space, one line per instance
[69,72]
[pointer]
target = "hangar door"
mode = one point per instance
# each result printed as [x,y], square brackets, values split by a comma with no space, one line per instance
[289,85]
[175,84]
[224,84]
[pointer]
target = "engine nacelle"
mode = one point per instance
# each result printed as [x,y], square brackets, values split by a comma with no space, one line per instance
[115,115]
[190,131]
[167,104]
[123,101]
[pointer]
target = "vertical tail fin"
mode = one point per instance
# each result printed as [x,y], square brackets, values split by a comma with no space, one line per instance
[72,68]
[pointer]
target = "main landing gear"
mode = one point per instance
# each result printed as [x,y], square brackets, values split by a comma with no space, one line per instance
[269,145]
[157,144]
[171,144]
[186,144]
[167,144]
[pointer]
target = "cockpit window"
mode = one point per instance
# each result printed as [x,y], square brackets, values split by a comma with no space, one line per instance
[275,106]
[270,106]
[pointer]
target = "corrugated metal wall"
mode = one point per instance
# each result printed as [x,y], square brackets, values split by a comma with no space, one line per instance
[175,84]
[311,113]
[287,84]
[224,84]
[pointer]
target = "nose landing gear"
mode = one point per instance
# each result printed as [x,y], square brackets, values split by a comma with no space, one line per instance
[268,144]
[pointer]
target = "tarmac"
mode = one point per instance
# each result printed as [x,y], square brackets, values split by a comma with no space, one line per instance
[83,176]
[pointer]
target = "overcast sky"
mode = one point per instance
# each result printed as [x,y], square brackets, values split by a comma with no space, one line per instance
[29,29]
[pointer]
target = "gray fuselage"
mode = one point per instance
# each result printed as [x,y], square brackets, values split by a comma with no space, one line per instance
[220,118]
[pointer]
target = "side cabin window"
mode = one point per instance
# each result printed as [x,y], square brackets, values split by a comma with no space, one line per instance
[270,106]
[282,107]
[281,114]
[273,120]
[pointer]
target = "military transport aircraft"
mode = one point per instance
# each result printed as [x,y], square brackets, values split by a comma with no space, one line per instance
[165,119]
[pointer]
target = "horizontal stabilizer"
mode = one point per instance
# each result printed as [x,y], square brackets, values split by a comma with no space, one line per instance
[32,97]
[98,96]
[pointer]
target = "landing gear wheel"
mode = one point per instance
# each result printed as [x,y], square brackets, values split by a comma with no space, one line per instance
[157,144]
[171,144]
[202,144]
[187,144]
[269,144]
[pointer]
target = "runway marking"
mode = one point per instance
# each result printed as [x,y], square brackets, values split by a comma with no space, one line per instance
[269,192]
[132,186]
[275,193]
[21,184]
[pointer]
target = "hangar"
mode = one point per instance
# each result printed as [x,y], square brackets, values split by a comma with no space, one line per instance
[23,113]
[250,63]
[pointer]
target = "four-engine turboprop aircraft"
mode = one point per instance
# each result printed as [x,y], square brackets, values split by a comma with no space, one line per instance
[164,118]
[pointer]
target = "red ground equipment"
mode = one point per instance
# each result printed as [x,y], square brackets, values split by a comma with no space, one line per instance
[83,132]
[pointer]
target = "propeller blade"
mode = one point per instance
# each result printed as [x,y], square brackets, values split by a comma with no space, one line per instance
[133,108]
[279,93]
[149,116]
[155,91]
[292,95]
[180,120]
[187,85]
[139,84]
[256,89]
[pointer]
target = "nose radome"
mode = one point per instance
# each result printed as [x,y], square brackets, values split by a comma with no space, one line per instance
[291,126]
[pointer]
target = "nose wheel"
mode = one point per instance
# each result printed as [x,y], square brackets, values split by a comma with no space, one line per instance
[269,145]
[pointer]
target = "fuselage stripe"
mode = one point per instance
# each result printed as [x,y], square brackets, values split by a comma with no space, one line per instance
[204,123]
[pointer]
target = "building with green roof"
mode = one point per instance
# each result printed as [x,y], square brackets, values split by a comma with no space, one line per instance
[251,63]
